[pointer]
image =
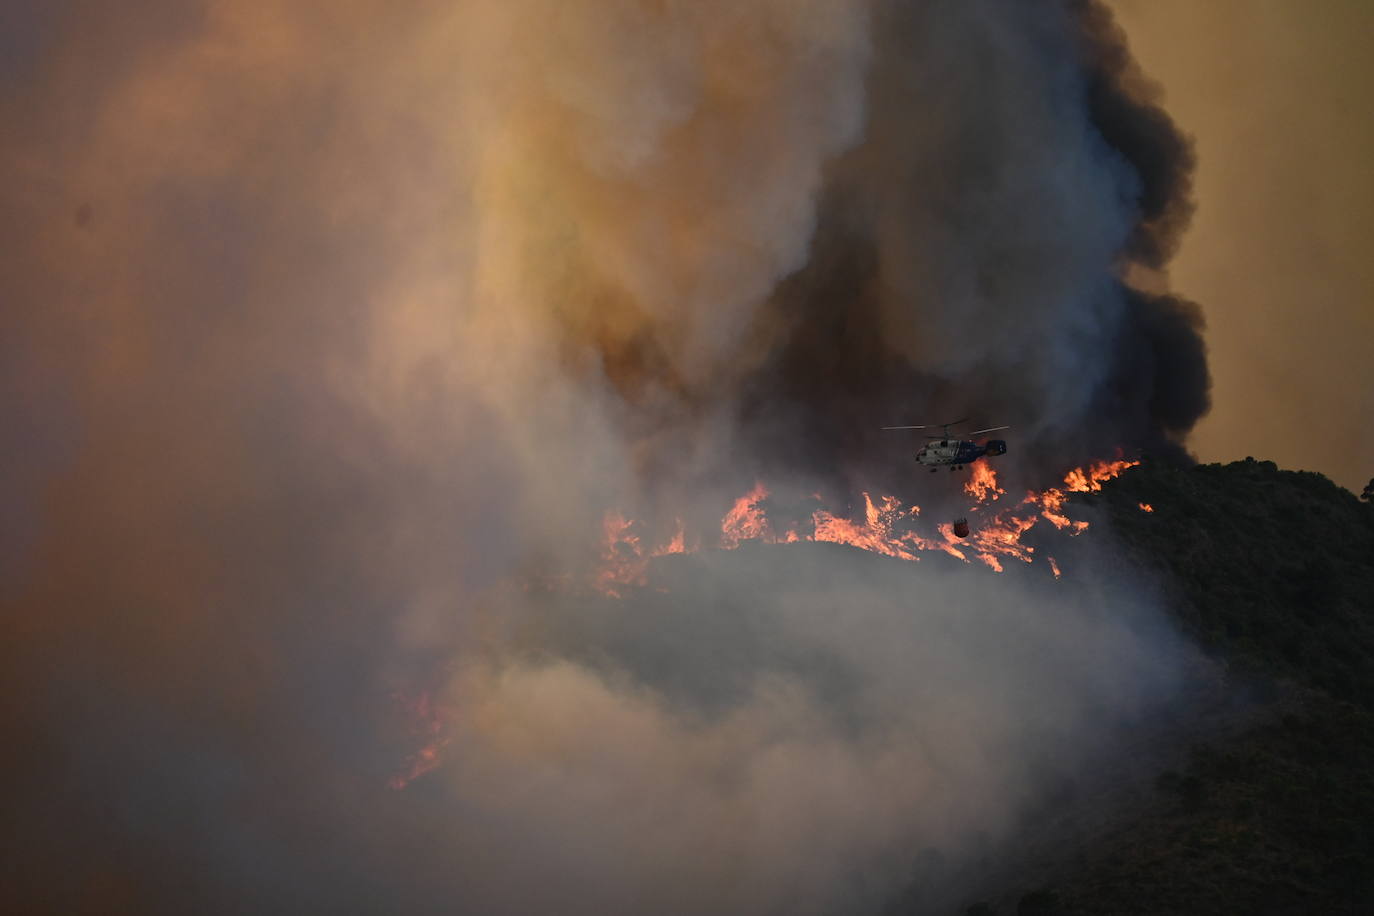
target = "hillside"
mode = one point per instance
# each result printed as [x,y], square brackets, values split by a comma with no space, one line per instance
[1272,573]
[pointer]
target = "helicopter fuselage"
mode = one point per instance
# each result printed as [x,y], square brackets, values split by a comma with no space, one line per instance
[957,452]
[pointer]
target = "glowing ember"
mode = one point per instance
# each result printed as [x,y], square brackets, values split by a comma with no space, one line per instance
[1146,507]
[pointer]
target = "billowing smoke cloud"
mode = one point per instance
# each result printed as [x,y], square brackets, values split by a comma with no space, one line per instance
[326,322]
[971,250]
[785,732]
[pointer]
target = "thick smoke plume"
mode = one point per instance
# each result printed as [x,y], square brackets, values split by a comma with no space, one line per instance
[329,325]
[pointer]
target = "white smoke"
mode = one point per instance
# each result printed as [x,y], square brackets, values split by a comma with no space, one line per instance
[784,730]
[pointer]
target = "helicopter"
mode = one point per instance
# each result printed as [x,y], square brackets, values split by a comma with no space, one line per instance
[945,451]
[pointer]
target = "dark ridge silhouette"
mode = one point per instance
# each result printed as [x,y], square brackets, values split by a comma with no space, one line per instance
[1272,572]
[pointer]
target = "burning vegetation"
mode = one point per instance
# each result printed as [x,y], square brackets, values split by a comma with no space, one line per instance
[992,533]
[426,720]
[885,526]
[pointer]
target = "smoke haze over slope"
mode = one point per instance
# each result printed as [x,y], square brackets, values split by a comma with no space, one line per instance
[325,321]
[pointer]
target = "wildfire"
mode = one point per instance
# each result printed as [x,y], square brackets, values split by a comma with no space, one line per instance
[678,544]
[982,483]
[882,531]
[427,724]
[745,521]
[951,542]
[1051,502]
[1082,481]
[622,556]
[886,527]
[1003,538]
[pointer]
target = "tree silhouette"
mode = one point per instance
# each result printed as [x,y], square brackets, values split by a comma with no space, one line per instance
[1368,494]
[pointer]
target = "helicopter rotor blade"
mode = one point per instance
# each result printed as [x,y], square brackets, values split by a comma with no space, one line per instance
[990,429]
[930,425]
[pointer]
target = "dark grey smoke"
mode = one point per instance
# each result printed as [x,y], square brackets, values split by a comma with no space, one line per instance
[990,325]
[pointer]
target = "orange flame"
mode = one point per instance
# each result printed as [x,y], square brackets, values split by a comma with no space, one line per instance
[678,543]
[1082,481]
[887,527]
[877,533]
[1003,537]
[1146,507]
[1051,502]
[982,483]
[745,521]
[427,722]
[622,557]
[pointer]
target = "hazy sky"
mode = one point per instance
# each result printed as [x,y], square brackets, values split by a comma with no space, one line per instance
[1276,96]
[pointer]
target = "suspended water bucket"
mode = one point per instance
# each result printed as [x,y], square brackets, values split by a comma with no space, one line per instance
[961,527]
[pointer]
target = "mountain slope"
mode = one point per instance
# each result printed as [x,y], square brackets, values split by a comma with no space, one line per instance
[1272,572]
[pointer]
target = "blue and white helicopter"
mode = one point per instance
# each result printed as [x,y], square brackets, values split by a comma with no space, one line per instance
[942,450]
